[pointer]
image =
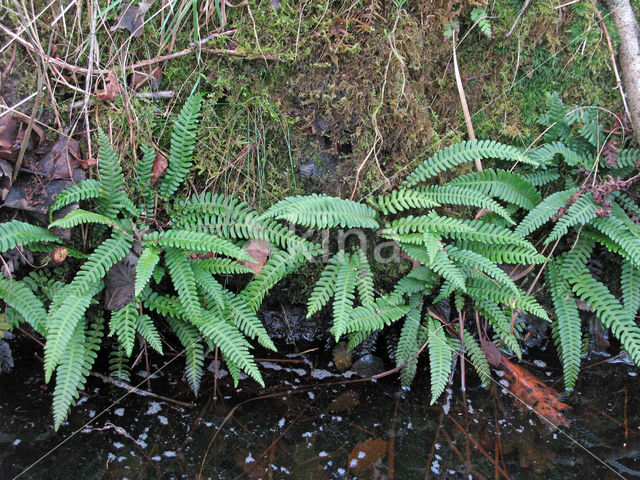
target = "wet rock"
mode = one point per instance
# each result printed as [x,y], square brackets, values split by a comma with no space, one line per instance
[342,358]
[6,358]
[368,366]
[290,326]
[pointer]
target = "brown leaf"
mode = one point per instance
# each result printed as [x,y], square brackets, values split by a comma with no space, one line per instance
[132,17]
[367,454]
[6,171]
[147,77]
[62,161]
[159,166]
[58,255]
[9,127]
[259,251]
[534,394]
[111,88]
[120,283]
[491,352]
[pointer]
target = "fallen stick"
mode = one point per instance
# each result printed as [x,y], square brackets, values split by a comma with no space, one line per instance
[138,391]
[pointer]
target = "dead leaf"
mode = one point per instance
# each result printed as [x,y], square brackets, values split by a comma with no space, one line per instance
[147,77]
[88,163]
[120,283]
[58,255]
[534,394]
[259,251]
[6,171]
[491,352]
[345,401]
[111,88]
[132,17]
[367,454]
[62,161]
[9,127]
[29,194]
[159,166]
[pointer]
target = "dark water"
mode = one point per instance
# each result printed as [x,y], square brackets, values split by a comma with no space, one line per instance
[314,423]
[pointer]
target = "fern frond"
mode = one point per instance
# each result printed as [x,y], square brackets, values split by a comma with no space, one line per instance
[477,357]
[565,329]
[183,142]
[542,177]
[123,324]
[247,322]
[619,238]
[483,288]
[323,211]
[463,152]
[78,216]
[578,213]
[189,338]
[546,153]
[591,129]
[119,364]
[185,284]
[368,318]
[576,258]
[69,378]
[630,287]
[146,328]
[147,262]
[544,211]
[196,242]
[83,190]
[215,292]
[462,195]
[344,295]
[443,265]
[278,266]
[16,233]
[364,280]
[403,199]
[498,253]
[111,177]
[64,316]
[628,158]
[482,264]
[608,310]
[20,296]
[480,17]
[326,284]
[408,341]
[218,265]
[440,358]
[500,322]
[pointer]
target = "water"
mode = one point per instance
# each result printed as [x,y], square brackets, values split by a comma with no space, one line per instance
[315,423]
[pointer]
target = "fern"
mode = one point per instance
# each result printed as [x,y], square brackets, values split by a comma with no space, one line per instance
[443,265]
[364,280]
[185,284]
[478,358]
[479,17]
[322,211]
[401,200]
[219,265]
[579,213]
[566,326]
[84,190]
[20,297]
[196,242]
[408,346]
[546,154]
[111,178]
[617,237]
[486,289]
[183,141]
[344,295]
[482,264]
[247,322]
[440,358]
[544,211]
[147,262]
[630,287]
[146,328]
[368,318]
[78,216]
[326,285]
[463,152]
[500,321]
[215,293]
[123,323]
[17,233]
[118,364]
[541,178]
[462,195]
[504,253]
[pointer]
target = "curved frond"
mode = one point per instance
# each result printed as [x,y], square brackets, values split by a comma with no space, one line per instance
[500,322]
[344,295]
[364,279]
[16,233]
[368,318]
[546,153]
[463,195]
[619,238]
[542,177]
[183,142]
[83,190]
[408,344]
[246,320]
[443,265]
[504,253]
[440,358]
[194,352]
[146,328]
[147,262]
[488,290]
[111,177]
[477,357]
[78,216]
[403,199]
[193,241]
[123,324]
[323,211]
[630,286]
[18,295]
[185,284]
[219,265]
[482,264]
[463,152]
[579,213]
[544,211]
[326,284]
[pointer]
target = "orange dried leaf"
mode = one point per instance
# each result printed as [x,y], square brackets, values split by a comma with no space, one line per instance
[259,251]
[543,399]
[159,166]
[367,454]
[111,88]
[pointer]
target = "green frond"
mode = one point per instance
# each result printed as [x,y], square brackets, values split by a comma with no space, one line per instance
[16,233]
[630,287]
[166,305]
[557,118]
[463,195]
[247,322]
[408,345]
[184,283]
[326,284]
[146,328]
[78,216]
[224,266]
[608,310]
[20,296]
[231,342]
[144,166]
[504,253]
[119,364]
[477,357]
[443,265]
[214,291]
[183,142]
[628,158]
[482,264]
[368,318]
[440,358]
[546,154]
[619,238]
[544,211]
[83,190]
[480,17]
[591,129]
[278,266]
[123,324]
[463,152]
[500,321]
[364,279]
[402,199]
[344,295]
[578,213]
[502,184]
[418,280]
[323,211]
[566,327]
[194,352]
[196,242]
[147,262]
[110,252]
[486,289]
[577,257]
[542,177]
[65,312]
[69,378]
[111,177]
